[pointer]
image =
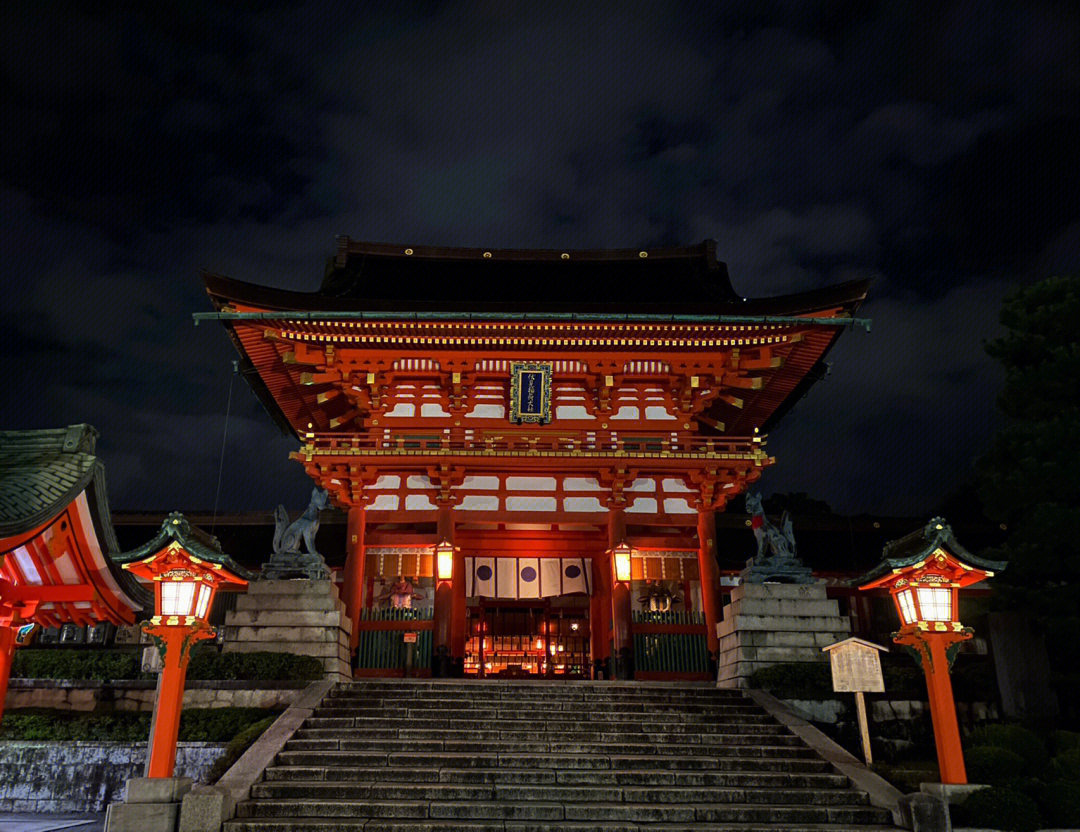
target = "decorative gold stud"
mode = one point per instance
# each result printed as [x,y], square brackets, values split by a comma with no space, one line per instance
[487,255]
[564,256]
[408,251]
[643,254]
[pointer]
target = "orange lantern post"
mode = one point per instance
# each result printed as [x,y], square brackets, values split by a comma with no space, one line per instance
[187,569]
[924,573]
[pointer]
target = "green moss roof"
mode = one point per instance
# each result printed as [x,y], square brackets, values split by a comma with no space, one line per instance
[919,545]
[194,540]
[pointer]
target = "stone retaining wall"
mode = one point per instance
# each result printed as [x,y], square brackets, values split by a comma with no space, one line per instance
[895,723]
[38,776]
[138,694]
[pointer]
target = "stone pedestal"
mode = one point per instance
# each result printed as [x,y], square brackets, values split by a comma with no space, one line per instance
[767,624]
[151,804]
[297,616]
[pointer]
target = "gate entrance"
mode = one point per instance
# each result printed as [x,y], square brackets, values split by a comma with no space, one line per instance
[528,639]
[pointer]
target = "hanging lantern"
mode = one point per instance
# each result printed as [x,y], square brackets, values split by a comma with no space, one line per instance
[444,560]
[620,561]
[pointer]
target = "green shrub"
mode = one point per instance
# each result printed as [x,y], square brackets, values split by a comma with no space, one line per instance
[52,725]
[997,808]
[261,666]
[1015,738]
[1059,802]
[220,724]
[236,747]
[1065,766]
[196,724]
[206,663]
[75,663]
[1061,741]
[993,765]
[795,680]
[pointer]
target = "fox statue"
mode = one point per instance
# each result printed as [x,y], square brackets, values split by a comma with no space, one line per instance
[287,536]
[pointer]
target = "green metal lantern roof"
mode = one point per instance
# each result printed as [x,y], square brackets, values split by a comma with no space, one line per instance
[919,545]
[194,540]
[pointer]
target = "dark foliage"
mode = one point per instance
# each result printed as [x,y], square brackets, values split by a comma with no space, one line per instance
[104,665]
[998,808]
[1030,478]
[196,724]
[237,746]
[206,664]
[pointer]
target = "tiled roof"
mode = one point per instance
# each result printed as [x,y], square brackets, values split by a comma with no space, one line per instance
[919,545]
[41,472]
[194,540]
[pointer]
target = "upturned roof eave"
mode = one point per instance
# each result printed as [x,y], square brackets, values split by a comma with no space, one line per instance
[226,291]
[182,533]
[920,545]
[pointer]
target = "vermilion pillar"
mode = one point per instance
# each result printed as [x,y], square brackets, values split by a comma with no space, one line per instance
[7,651]
[622,635]
[710,582]
[457,598]
[600,616]
[442,635]
[353,587]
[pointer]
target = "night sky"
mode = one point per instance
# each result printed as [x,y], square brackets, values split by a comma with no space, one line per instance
[934,147]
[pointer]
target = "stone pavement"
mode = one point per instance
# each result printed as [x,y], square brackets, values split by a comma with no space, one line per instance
[68,821]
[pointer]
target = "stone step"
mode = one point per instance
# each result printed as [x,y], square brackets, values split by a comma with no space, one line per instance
[539,757]
[755,759]
[539,690]
[517,792]
[736,744]
[429,825]
[346,726]
[581,777]
[579,734]
[537,713]
[560,690]
[552,811]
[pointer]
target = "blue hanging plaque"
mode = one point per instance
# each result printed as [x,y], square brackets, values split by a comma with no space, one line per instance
[530,391]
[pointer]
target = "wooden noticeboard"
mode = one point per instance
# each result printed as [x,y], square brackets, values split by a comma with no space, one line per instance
[856,668]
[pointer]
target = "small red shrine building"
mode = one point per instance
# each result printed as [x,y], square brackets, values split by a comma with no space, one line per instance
[531,411]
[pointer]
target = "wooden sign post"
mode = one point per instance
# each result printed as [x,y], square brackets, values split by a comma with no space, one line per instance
[856,667]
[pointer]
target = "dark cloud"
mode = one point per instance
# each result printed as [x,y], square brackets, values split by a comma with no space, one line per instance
[932,149]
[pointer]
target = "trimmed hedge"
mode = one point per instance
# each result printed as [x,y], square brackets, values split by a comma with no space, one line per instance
[196,724]
[76,663]
[1060,803]
[206,664]
[262,666]
[236,747]
[997,808]
[993,765]
[1016,739]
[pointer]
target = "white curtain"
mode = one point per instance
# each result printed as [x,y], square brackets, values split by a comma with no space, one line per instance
[526,577]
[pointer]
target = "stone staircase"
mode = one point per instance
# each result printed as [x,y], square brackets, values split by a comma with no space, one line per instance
[546,756]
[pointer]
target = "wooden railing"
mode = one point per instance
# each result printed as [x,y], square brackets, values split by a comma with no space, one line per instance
[381,649]
[670,645]
[536,444]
